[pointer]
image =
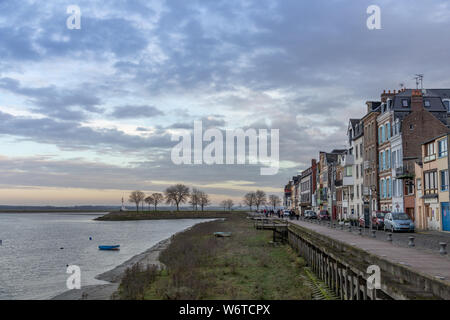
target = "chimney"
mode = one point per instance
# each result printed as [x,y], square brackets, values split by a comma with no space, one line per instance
[416,100]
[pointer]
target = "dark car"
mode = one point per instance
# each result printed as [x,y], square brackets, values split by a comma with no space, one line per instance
[324,215]
[377,220]
[309,214]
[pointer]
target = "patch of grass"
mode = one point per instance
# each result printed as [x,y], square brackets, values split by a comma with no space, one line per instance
[163,215]
[244,266]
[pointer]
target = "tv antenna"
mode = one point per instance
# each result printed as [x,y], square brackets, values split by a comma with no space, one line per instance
[419,79]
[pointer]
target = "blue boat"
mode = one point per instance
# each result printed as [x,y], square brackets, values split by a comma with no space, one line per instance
[114,248]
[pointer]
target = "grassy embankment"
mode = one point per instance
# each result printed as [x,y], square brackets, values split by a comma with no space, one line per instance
[201,266]
[162,215]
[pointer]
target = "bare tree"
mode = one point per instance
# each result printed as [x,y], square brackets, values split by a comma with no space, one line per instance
[154,199]
[274,200]
[136,197]
[157,199]
[177,194]
[194,198]
[227,204]
[230,204]
[249,199]
[204,200]
[260,198]
[150,201]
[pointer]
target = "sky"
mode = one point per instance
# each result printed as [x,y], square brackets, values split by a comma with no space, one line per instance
[87,115]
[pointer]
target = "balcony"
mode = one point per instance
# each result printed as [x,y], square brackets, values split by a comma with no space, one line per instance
[348,181]
[338,183]
[349,160]
[429,158]
[399,171]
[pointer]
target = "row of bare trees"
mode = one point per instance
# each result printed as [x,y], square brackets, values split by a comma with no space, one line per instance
[174,195]
[259,198]
[227,204]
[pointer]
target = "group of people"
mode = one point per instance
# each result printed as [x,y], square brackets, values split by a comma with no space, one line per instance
[281,213]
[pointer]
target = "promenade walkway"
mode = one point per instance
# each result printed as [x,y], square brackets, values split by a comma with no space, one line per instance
[429,263]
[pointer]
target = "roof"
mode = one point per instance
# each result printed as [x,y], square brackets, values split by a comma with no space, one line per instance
[435,138]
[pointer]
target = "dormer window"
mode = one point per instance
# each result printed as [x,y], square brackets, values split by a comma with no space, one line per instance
[427,103]
[389,104]
[447,105]
[405,103]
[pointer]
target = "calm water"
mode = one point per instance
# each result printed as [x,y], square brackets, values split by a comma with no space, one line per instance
[32,265]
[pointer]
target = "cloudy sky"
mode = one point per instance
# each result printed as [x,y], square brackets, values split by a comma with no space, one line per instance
[87,115]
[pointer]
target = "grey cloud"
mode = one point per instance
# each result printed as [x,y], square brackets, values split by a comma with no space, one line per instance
[56,102]
[72,136]
[134,112]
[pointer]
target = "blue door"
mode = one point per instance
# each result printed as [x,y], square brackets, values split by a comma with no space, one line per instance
[445,209]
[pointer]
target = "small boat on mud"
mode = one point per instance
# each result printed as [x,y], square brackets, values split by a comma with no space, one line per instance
[222,234]
[111,248]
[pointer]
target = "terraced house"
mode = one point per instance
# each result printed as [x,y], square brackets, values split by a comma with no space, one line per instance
[384,121]
[396,161]
[308,186]
[432,181]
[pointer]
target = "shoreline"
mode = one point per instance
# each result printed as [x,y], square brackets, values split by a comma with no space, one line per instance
[113,277]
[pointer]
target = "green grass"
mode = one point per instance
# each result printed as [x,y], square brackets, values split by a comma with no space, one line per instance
[163,215]
[244,266]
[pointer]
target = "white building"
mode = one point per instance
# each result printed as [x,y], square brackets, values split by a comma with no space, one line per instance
[397,167]
[358,169]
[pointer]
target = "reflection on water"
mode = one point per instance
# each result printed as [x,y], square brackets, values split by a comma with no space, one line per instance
[37,247]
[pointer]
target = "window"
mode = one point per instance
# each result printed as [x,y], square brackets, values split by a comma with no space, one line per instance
[442,148]
[388,130]
[430,182]
[427,103]
[383,137]
[447,105]
[381,188]
[384,189]
[444,180]
[430,149]
[384,160]
[388,182]
[348,171]
[388,158]
[394,159]
[394,187]
[405,103]
[356,152]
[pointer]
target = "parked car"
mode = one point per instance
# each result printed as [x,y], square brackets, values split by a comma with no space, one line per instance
[286,213]
[377,220]
[323,215]
[309,214]
[398,221]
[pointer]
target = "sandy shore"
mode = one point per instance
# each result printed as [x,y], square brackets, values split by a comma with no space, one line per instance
[114,276]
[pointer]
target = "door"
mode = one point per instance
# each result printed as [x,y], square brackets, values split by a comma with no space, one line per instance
[445,209]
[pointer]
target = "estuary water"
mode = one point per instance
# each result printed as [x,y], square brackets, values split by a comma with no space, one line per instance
[37,247]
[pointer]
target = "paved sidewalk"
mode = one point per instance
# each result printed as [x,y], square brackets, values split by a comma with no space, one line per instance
[429,263]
